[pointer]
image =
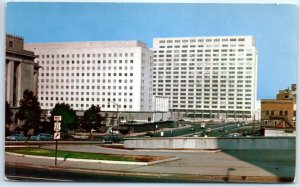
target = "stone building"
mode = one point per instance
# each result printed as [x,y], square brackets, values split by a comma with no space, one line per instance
[280,112]
[21,71]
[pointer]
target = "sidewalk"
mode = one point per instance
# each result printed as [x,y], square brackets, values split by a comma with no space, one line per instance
[228,166]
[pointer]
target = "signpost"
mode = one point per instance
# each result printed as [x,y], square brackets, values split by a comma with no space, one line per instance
[57,128]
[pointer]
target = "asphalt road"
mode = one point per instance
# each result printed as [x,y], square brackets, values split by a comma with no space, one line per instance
[220,166]
[29,174]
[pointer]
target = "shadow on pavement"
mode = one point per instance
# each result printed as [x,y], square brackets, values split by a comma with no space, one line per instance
[281,163]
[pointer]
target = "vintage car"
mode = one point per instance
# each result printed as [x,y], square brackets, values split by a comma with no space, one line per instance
[42,136]
[16,137]
[80,137]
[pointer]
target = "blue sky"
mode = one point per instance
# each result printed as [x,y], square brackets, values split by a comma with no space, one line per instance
[274,27]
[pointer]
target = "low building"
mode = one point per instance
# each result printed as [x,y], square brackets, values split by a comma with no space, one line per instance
[280,112]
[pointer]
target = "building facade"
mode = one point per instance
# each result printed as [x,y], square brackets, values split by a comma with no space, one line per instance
[117,76]
[280,112]
[21,71]
[207,77]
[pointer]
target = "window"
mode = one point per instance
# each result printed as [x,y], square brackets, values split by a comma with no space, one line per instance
[11,44]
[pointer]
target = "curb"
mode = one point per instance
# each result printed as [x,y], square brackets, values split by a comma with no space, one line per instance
[164,150]
[96,161]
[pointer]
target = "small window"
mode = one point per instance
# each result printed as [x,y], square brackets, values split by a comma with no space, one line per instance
[11,44]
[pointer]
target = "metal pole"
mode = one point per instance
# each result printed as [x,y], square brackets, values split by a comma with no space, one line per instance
[55,152]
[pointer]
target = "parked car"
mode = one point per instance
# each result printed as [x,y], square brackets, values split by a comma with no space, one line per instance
[80,137]
[111,139]
[16,137]
[232,135]
[42,136]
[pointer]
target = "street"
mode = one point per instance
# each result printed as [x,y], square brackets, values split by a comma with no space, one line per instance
[23,173]
[214,166]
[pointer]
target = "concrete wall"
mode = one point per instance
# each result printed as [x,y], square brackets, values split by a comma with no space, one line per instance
[278,143]
[276,132]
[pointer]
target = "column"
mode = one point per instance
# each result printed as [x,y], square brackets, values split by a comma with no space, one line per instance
[9,81]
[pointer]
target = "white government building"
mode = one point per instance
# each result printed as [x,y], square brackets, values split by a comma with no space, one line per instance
[100,73]
[197,77]
[206,77]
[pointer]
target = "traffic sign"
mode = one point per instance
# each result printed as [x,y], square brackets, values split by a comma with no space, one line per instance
[57,126]
[57,118]
[56,136]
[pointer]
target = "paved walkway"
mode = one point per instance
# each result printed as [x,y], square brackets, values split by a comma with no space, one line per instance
[230,165]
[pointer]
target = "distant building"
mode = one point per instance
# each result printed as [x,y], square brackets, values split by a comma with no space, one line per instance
[116,75]
[21,71]
[207,77]
[287,94]
[280,112]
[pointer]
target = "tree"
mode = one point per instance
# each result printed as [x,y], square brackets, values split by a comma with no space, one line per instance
[68,116]
[8,114]
[92,118]
[30,110]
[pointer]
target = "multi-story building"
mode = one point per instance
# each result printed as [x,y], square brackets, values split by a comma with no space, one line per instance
[280,112]
[207,77]
[115,75]
[21,71]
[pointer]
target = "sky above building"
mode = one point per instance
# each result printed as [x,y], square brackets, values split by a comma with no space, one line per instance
[274,27]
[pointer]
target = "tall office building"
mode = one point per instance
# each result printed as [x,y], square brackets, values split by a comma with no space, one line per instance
[115,75]
[207,77]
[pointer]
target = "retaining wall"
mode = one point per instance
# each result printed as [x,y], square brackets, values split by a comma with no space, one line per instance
[277,143]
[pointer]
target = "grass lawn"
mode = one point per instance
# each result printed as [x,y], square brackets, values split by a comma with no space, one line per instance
[82,155]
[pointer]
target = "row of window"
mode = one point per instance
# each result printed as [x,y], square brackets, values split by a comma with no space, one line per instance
[213,52]
[183,89]
[210,77]
[211,102]
[202,46]
[168,94]
[175,64]
[87,55]
[88,105]
[102,87]
[73,62]
[210,106]
[184,59]
[215,98]
[81,99]
[57,68]
[194,40]
[280,112]
[212,90]
[86,74]
[89,93]
[192,67]
[204,60]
